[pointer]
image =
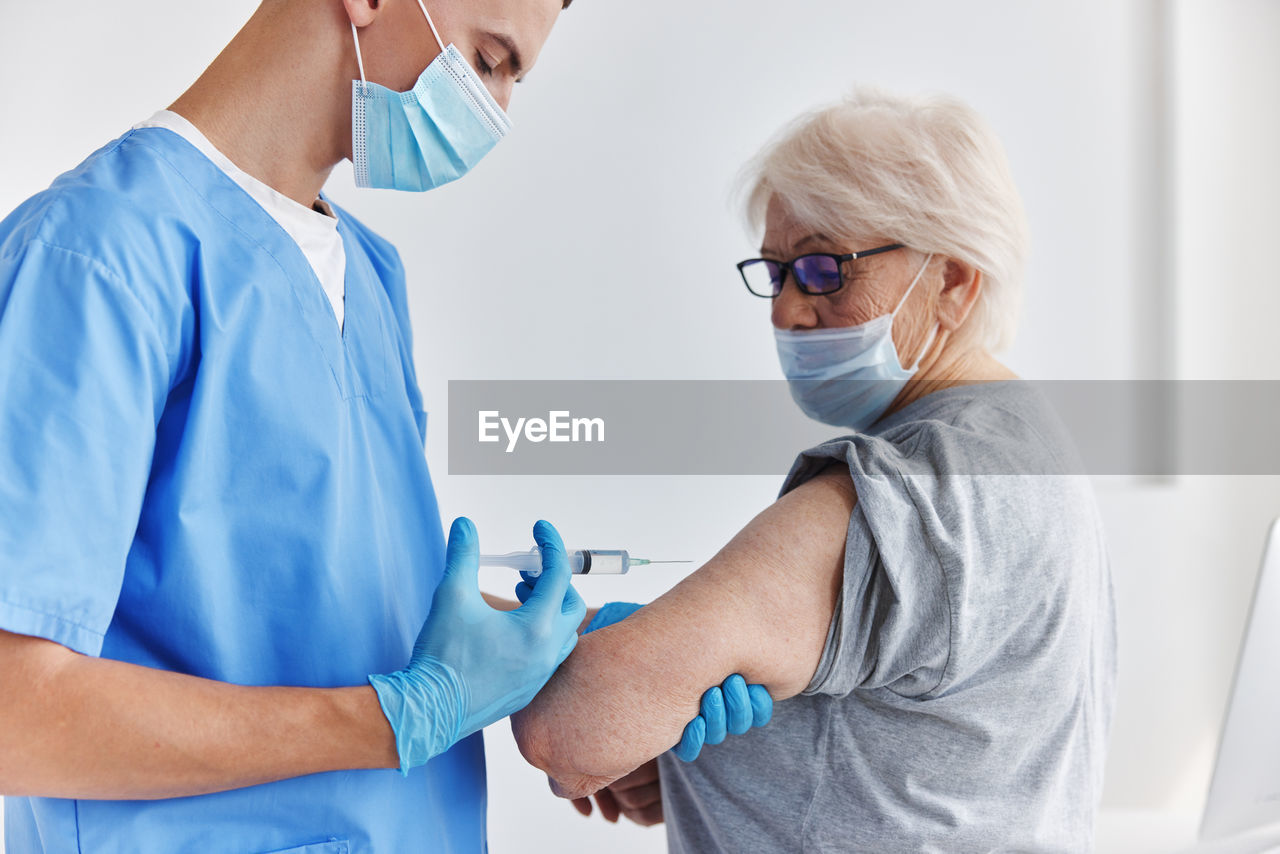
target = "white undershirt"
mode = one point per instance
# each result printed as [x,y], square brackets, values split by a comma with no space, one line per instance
[315,231]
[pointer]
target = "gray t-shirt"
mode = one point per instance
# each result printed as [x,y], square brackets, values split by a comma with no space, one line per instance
[965,694]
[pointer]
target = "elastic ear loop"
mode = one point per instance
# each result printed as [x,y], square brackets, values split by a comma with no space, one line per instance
[359,59]
[432,25]
[932,335]
[356,38]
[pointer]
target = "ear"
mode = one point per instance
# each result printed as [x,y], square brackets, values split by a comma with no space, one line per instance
[362,12]
[961,287]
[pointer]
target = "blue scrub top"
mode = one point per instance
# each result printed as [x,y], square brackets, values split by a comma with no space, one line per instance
[200,473]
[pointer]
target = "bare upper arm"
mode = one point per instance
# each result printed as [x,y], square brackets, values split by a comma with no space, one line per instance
[761,607]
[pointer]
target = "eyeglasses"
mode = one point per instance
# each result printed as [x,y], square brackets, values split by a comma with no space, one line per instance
[819,273]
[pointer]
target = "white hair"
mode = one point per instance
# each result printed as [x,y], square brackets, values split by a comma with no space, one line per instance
[925,171]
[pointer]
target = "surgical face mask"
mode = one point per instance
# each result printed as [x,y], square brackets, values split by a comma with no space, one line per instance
[426,137]
[848,377]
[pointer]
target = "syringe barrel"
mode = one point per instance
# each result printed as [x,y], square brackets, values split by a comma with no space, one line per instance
[586,562]
[601,562]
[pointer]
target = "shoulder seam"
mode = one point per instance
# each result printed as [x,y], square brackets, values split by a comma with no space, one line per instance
[107,273]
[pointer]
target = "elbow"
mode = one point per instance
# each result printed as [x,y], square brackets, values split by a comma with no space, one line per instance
[533,737]
[567,761]
[575,786]
[544,745]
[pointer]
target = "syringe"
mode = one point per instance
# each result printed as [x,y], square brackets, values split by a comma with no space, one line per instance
[582,561]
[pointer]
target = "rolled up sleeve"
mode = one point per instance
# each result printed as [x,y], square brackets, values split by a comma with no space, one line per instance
[891,626]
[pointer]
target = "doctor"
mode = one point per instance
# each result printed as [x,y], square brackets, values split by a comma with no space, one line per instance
[215,516]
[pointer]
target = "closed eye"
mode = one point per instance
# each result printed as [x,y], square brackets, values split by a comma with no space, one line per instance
[514,59]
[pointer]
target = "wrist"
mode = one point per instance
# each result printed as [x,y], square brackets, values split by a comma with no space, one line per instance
[362,727]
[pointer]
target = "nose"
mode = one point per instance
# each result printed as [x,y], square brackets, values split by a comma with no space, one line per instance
[793,309]
[501,92]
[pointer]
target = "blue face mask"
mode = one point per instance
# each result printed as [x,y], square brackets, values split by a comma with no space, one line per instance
[849,376]
[426,137]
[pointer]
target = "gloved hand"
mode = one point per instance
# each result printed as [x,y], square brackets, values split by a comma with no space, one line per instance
[731,708]
[610,613]
[638,795]
[473,665]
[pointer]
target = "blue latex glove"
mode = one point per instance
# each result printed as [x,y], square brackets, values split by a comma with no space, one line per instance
[472,664]
[613,612]
[731,708]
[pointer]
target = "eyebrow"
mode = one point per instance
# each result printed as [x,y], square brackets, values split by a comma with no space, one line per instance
[812,238]
[513,53]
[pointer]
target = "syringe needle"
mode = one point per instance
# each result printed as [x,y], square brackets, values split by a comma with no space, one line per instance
[639,561]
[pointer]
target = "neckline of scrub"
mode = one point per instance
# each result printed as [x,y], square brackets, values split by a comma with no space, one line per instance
[357,355]
[315,232]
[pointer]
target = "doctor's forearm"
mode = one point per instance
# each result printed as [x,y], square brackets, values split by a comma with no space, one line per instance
[501,604]
[80,727]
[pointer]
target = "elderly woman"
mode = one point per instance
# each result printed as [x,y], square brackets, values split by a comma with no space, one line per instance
[946,630]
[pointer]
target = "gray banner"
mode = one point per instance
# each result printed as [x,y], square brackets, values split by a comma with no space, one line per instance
[629,427]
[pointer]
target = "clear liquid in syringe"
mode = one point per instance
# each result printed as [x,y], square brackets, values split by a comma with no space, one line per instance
[581,561]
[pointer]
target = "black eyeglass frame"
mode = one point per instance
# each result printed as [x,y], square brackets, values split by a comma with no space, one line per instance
[788,268]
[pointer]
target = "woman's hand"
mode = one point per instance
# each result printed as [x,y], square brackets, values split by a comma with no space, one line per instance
[638,796]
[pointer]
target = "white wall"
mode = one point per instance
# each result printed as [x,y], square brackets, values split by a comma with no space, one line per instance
[1187,554]
[606,214]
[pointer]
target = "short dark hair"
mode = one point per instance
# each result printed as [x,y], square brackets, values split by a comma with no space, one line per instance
[566,4]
